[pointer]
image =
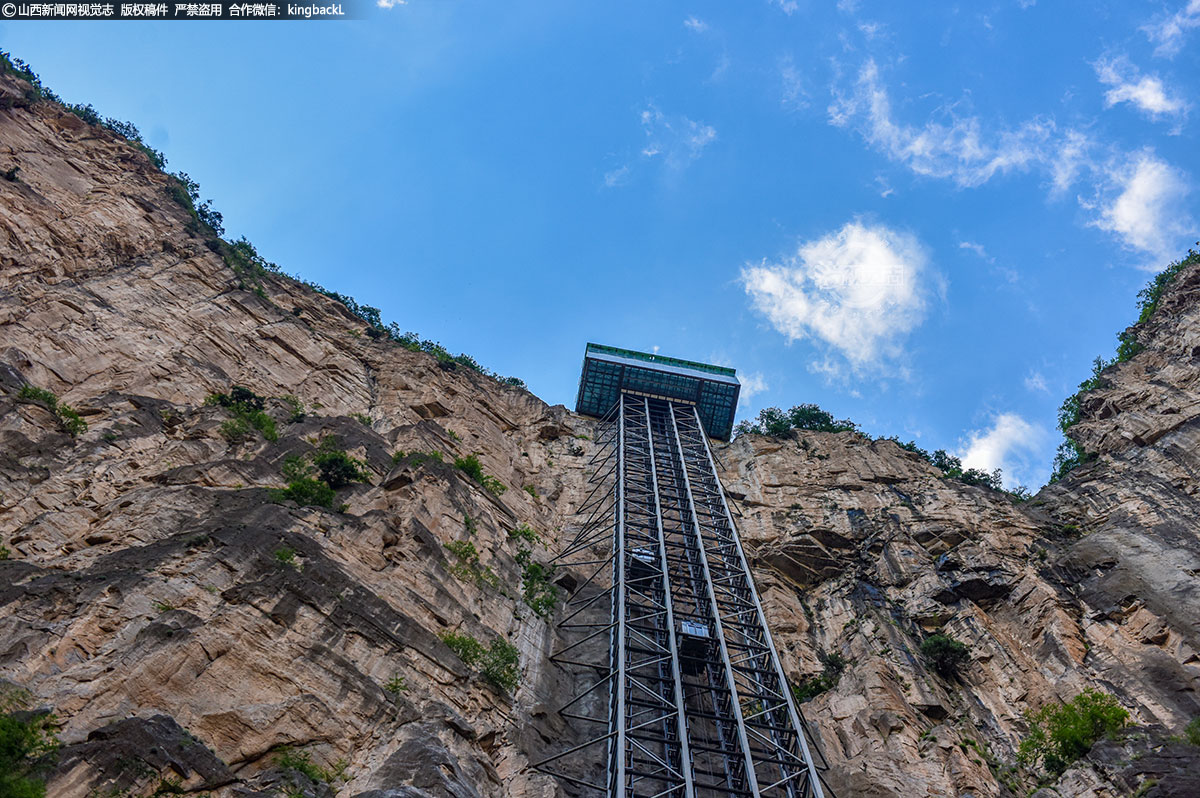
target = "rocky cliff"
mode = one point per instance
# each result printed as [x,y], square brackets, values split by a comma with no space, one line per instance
[195,630]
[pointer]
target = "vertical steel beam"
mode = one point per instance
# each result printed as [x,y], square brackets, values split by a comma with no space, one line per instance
[619,716]
[734,703]
[685,757]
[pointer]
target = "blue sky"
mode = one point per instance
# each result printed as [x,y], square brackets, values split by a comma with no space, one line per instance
[926,219]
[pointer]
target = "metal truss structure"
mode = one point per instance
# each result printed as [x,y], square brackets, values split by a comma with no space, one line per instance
[692,700]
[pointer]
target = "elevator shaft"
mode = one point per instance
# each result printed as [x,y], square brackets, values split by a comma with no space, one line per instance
[697,702]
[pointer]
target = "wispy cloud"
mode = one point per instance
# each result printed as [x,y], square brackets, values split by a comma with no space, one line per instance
[1142,204]
[1070,157]
[1010,443]
[793,94]
[859,290]
[753,384]
[956,150]
[390,3]
[695,24]
[788,7]
[976,248]
[616,177]
[1145,92]
[1135,196]
[1035,382]
[1170,31]
[677,140]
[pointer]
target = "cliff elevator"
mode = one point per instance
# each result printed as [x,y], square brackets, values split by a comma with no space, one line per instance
[689,699]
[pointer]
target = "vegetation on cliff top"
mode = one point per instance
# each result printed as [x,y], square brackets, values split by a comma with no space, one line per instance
[1070,454]
[776,423]
[241,256]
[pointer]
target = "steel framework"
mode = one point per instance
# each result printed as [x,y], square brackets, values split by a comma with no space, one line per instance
[692,700]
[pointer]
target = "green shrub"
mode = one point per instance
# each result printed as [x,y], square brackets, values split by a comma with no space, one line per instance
[68,419]
[296,411]
[1059,734]
[285,555]
[313,480]
[361,418]
[337,468]
[1192,731]
[302,762]
[5,553]
[305,491]
[776,423]
[247,409]
[468,649]
[812,686]
[539,595]
[186,192]
[524,533]
[944,653]
[416,458]
[396,685]
[244,261]
[27,748]
[468,567]
[471,466]
[500,663]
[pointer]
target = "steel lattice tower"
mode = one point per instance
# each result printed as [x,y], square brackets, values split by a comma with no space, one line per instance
[695,701]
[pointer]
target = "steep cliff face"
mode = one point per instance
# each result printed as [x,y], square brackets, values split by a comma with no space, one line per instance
[184,623]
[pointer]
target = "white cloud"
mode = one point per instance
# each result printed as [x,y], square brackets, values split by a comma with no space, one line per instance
[859,290]
[1144,206]
[788,7]
[695,24]
[677,139]
[1011,443]
[957,150]
[1034,381]
[390,3]
[1146,92]
[753,383]
[1170,31]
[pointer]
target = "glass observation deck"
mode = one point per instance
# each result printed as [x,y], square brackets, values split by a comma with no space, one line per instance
[609,371]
